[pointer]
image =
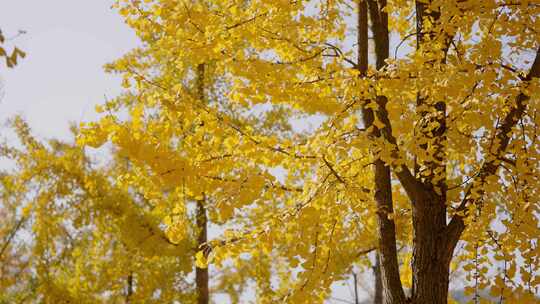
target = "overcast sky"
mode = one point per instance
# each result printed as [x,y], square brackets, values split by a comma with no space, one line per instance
[61,79]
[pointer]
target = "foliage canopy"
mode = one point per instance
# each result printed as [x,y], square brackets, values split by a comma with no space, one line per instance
[423,138]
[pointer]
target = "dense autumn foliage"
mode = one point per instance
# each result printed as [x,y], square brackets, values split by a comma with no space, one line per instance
[281,143]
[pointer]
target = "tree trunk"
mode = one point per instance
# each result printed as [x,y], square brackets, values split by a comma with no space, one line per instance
[201,274]
[430,263]
[391,282]
[129,288]
[431,259]
[355,279]
[378,296]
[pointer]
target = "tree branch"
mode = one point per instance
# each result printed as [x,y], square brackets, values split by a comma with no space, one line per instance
[11,235]
[489,168]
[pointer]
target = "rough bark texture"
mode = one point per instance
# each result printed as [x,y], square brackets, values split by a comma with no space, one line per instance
[201,274]
[430,262]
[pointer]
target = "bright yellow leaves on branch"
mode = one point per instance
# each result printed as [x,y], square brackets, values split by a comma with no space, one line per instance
[89,233]
[305,152]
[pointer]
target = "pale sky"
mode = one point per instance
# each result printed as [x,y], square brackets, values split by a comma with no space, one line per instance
[67,43]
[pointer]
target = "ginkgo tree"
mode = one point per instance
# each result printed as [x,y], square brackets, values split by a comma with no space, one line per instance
[424,139]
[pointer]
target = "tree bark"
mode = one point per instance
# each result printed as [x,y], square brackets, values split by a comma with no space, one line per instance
[430,260]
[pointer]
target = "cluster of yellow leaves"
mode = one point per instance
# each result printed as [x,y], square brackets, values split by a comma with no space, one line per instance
[211,110]
[88,232]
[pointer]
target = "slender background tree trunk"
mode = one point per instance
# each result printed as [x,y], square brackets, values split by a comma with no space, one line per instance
[129,291]
[378,295]
[201,274]
[391,282]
